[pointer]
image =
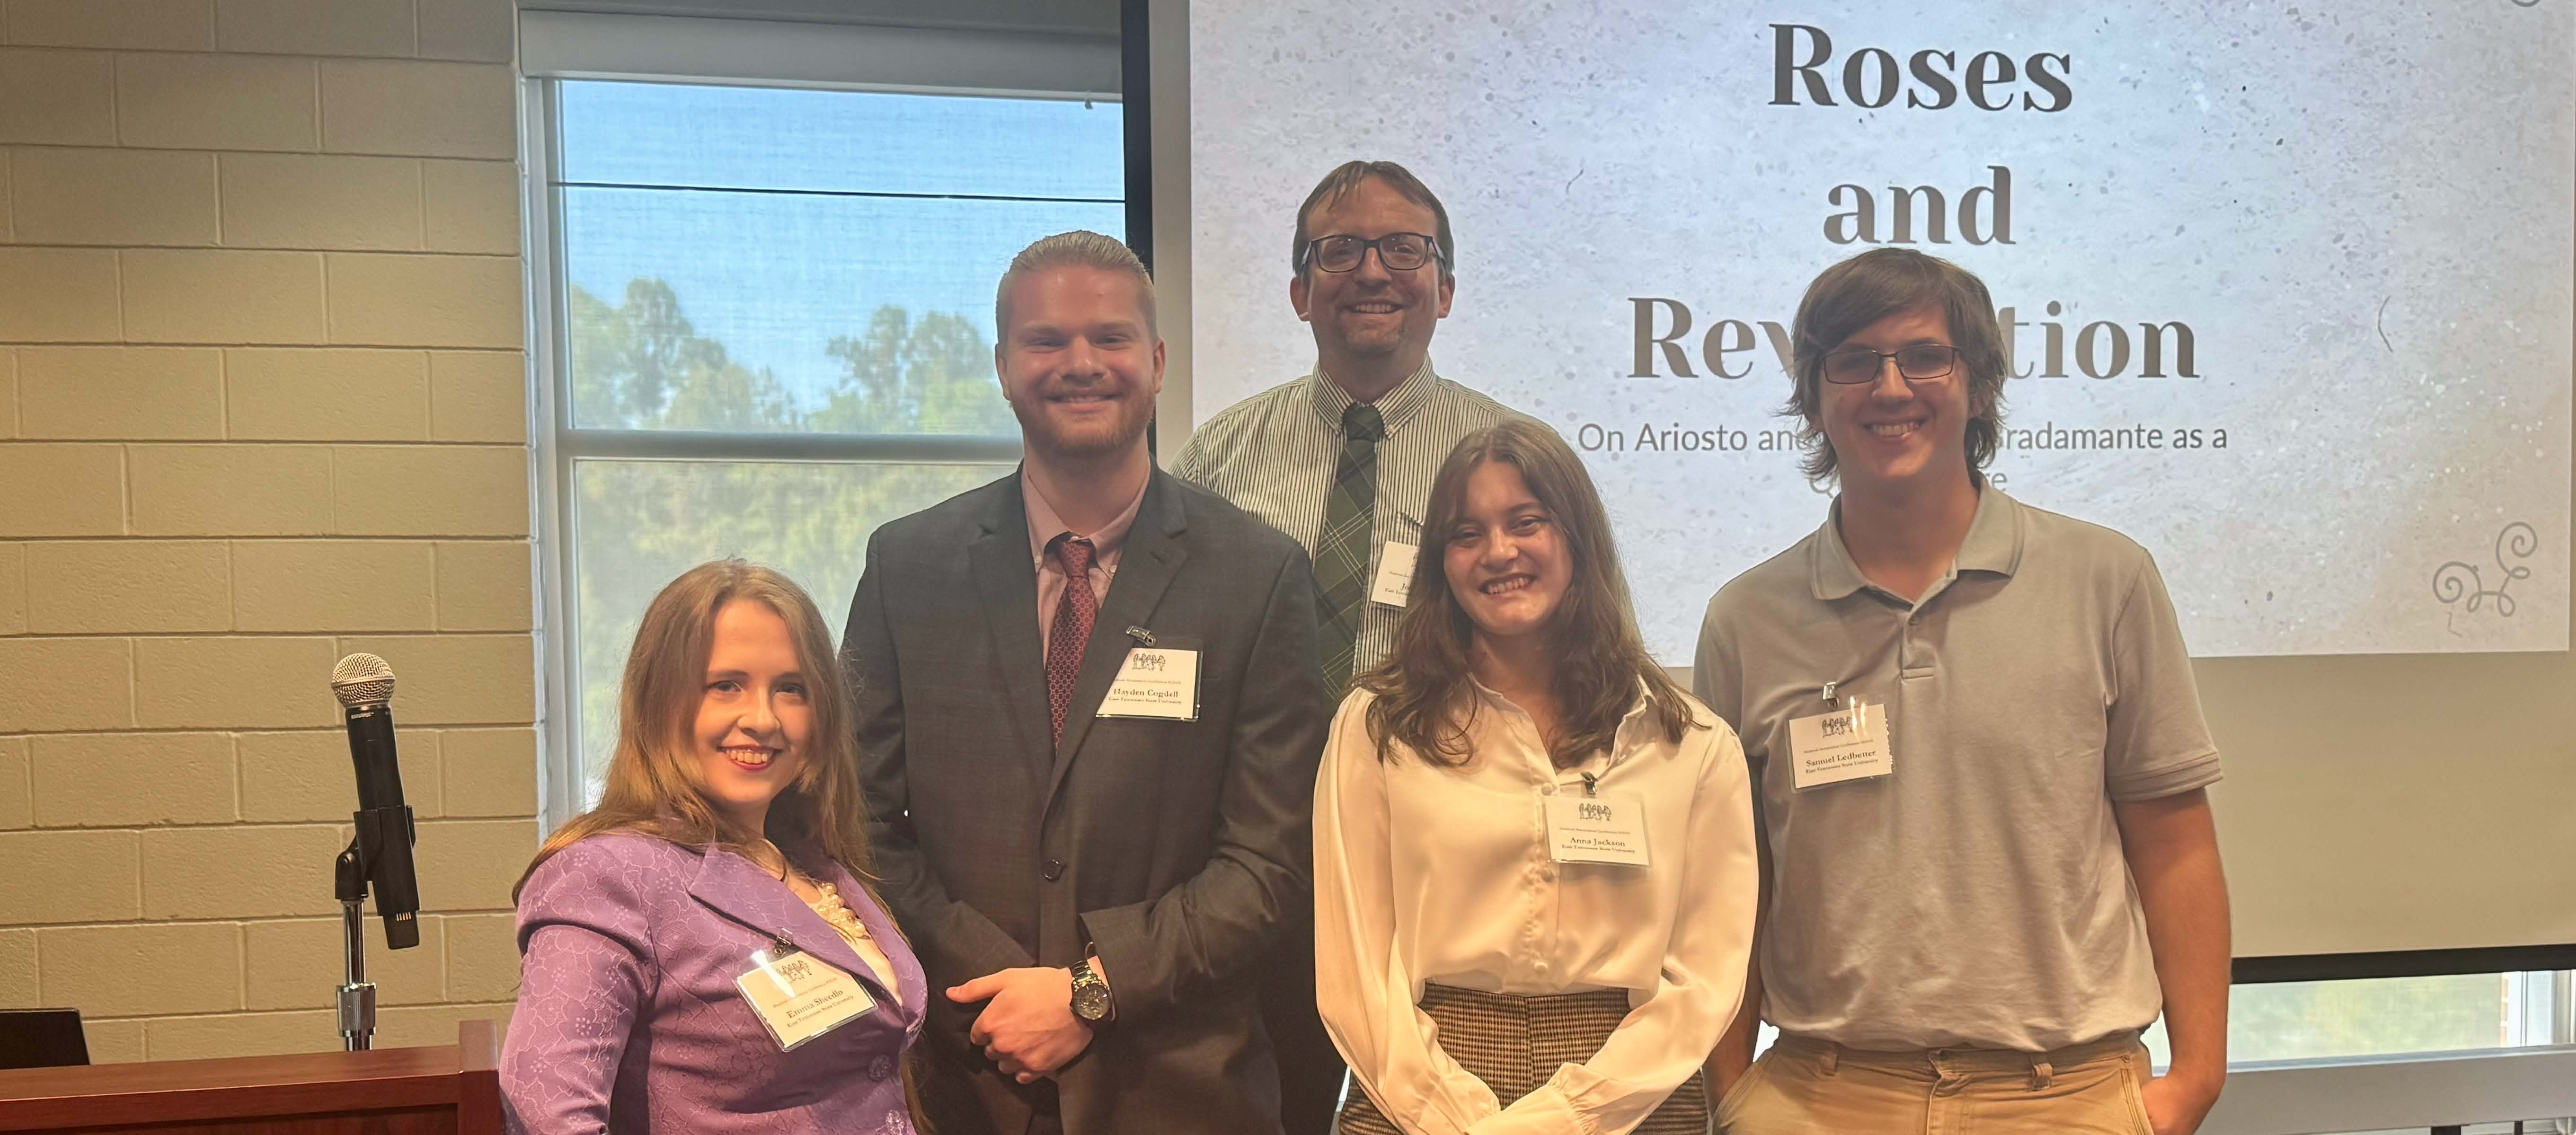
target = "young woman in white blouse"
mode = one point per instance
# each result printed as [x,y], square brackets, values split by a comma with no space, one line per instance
[1534,864]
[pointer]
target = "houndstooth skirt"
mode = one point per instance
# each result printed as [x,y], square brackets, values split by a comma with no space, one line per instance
[1514,1044]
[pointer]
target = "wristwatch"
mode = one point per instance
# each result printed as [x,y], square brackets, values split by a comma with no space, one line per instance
[1090,994]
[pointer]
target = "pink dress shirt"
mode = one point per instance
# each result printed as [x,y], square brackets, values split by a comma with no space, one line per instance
[1106,542]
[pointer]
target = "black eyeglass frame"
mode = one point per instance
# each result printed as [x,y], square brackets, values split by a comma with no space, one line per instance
[1314,257]
[1878,364]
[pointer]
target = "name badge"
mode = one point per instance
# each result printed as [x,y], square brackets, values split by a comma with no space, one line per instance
[798,996]
[1394,574]
[1607,828]
[1847,744]
[1155,682]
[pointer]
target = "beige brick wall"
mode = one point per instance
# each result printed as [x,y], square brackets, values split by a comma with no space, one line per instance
[262,403]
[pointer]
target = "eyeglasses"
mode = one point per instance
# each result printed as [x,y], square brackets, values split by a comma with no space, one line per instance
[1921,362]
[1400,252]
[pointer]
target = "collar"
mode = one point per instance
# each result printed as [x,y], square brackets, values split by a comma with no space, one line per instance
[1619,736]
[1397,407]
[1045,525]
[1993,544]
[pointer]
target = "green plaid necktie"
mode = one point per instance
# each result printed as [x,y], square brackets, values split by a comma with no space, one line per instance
[1342,548]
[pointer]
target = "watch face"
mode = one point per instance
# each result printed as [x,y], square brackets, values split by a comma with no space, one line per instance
[1090,1001]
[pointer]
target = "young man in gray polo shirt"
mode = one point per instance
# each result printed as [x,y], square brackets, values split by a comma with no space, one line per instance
[1979,763]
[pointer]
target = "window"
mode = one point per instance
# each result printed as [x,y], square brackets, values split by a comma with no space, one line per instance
[771,317]
[2330,1020]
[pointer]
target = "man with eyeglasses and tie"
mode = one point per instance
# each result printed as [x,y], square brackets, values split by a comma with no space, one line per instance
[1979,767]
[1342,461]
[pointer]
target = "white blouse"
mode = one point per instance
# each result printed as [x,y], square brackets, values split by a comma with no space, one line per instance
[1440,874]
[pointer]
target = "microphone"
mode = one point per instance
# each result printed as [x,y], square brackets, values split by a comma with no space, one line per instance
[365,687]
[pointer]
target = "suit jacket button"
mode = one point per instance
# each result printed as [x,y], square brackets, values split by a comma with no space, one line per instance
[1054,870]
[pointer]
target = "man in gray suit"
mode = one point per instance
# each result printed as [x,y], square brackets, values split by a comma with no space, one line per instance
[1089,715]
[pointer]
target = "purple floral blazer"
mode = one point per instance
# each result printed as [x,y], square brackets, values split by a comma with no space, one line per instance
[629,1021]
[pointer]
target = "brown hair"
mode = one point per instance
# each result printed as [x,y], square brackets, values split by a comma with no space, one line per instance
[1346,178]
[1846,298]
[1425,698]
[654,786]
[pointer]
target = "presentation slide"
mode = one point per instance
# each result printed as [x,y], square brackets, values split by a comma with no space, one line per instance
[2287,287]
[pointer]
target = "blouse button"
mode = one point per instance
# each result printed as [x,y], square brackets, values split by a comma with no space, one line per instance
[881,1068]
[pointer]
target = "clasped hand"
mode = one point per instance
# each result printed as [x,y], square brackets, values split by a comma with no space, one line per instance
[1027,1026]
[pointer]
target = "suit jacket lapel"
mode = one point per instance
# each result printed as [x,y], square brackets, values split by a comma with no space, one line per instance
[1153,556]
[1006,585]
[732,886]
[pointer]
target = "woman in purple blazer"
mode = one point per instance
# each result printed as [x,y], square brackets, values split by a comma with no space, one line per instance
[701,952]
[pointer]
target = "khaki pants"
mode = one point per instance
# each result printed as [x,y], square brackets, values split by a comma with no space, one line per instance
[1804,1085]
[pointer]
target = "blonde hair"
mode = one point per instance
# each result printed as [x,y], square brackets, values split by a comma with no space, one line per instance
[1080,248]
[654,785]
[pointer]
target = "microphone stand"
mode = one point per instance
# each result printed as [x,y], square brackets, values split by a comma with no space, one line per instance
[379,856]
[357,994]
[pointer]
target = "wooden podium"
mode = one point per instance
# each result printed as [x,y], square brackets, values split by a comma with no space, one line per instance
[392,1091]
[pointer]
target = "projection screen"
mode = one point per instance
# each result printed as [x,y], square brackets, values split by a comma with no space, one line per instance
[2289,296]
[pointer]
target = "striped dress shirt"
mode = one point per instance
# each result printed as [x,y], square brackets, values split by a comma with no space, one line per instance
[1273,455]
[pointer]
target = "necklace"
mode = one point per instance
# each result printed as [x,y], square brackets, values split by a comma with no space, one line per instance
[839,914]
[829,906]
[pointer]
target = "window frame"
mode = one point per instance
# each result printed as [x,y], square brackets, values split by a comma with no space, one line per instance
[564,46]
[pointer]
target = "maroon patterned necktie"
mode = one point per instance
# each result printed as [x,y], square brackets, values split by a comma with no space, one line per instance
[1072,625]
